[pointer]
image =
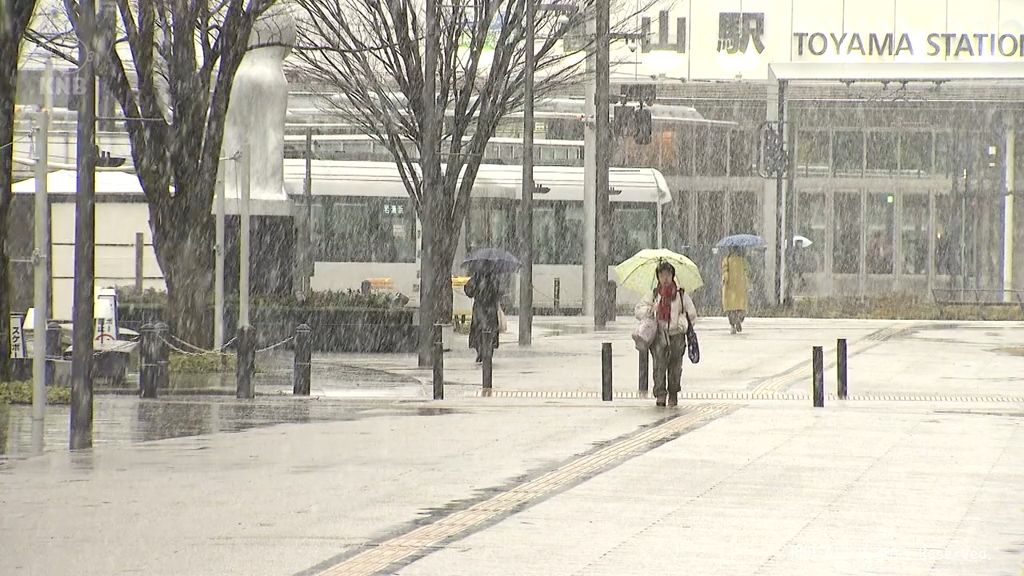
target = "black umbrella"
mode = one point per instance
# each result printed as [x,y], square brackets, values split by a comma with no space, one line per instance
[491,260]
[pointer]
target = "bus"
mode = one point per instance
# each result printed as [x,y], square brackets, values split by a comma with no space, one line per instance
[363,225]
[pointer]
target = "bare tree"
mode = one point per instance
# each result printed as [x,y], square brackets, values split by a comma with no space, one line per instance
[174,95]
[431,86]
[14,20]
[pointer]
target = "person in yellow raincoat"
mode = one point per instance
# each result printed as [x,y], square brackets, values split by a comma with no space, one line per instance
[734,288]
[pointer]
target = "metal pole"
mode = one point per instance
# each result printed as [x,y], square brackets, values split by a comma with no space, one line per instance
[488,359]
[645,371]
[437,346]
[526,218]
[818,384]
[302,369]
[307,193]
[557,295]
[1008,230]
[606,371]
[789,135]
[41,254]
[243,242]
[841,368]
[147,361]
[780,210]
[602,211]
[85,223]
[590,175]
[218,277]
[139,244]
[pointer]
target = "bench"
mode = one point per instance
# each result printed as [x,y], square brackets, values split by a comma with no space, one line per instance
[948,298]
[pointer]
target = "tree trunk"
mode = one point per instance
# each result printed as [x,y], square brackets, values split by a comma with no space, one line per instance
[435,279]
[8,72]
[185,254]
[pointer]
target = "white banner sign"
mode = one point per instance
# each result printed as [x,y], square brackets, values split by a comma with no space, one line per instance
[17,336]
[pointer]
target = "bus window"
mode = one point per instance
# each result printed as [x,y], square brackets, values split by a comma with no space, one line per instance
[362,229]
[558,232]
[634,228]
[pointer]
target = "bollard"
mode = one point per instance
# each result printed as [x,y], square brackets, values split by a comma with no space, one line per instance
[841,368]
[163,356]
[488,360]
[437,361]
[53,352]
[147,361]
[606,371]
[245,362]
[645,371]
[302,368]
[819,377]
[557,296]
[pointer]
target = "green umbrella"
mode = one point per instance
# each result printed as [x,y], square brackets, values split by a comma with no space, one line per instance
[637,273]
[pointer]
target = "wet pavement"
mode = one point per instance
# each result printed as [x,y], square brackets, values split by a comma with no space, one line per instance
[920,471]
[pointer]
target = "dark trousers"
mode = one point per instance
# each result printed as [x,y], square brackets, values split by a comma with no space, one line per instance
[667,352]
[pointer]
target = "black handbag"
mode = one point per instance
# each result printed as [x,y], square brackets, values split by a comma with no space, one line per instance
[692,345]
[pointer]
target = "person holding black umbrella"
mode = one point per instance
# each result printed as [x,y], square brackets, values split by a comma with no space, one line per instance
[486,266]
[483,288]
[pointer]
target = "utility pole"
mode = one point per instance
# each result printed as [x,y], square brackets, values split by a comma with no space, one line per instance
[85,232]
[590,170]
[40,256]
[601,112]
[526,218]
[218,279]
[243,240]
[307,232]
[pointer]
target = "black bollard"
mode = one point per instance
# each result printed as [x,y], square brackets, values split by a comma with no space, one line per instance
[245,362]
[606,371]
[645,371]
[163,356]
[819,377]
[53,351]
[488,360]
[558,294]
[147,361]
[302,369]
[437,361]
[841,368]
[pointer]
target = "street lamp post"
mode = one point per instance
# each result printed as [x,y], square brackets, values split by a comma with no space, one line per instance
[526,219]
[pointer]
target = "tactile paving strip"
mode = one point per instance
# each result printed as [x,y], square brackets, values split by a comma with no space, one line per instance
[750,396]
[420,540]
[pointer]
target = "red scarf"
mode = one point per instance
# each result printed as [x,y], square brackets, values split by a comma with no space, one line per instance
[667,293]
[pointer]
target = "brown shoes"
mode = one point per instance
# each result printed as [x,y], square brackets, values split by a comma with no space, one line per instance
[673,399]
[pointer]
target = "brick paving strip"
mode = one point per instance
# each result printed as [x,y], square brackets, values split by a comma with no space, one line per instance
[420,540]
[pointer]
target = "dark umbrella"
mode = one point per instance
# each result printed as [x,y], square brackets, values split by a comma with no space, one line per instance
[493,260]
[741,241]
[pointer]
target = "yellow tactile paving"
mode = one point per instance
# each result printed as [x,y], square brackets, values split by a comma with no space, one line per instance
[378,558]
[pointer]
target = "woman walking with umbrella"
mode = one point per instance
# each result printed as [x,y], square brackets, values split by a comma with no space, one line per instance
[664,278]
[484,288]
[734,277]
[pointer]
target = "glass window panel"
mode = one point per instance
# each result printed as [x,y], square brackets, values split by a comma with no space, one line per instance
[880,218]
[811,224]
[915,234]
[812,151]
[557,232]
[741,153]
[634,226]
[948,214]
[881,151]
[743,213]
[360,229]
[916,152]
[710,151]
[710,217]
[848,151]
[944,153]
[846,238]
[491,224]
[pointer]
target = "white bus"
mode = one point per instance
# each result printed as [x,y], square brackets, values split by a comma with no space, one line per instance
[364,227]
